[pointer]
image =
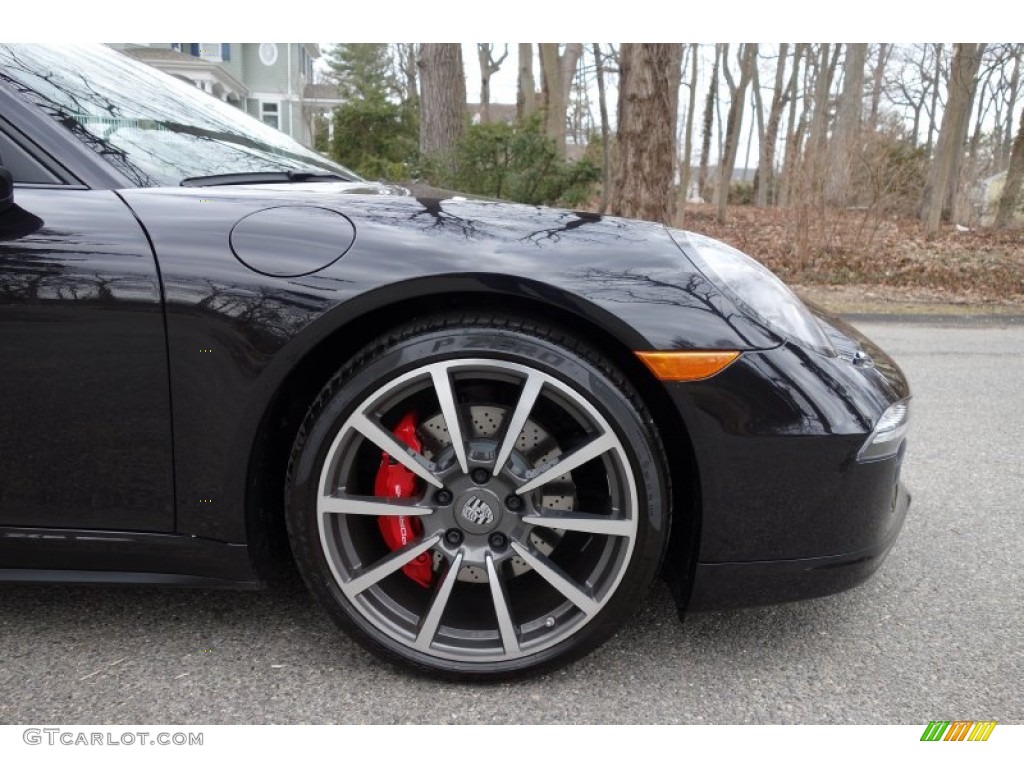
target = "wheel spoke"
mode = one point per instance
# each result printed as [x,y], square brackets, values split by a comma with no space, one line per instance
[383,568]
[450,411]
[509,640]
[558,579]
[572,443]
[433,618]
[582,522]
[569,462]
[400,453]
[352,505]
[527,398]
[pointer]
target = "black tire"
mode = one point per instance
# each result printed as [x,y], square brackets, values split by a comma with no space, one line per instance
[549,594]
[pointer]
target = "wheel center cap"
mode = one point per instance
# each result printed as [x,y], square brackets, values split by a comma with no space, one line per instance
[478,511]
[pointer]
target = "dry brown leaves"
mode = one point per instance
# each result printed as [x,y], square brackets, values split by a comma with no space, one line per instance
[850,247]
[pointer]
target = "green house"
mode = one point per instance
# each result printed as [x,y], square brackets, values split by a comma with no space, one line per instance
[273,82]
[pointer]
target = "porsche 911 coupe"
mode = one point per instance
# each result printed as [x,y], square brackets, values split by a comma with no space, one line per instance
[480,429]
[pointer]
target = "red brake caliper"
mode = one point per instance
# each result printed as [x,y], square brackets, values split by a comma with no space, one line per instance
[396,482]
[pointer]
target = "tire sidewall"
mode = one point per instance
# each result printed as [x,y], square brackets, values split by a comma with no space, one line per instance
[585,373]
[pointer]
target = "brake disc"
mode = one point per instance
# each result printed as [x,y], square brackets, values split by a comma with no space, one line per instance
[534,447]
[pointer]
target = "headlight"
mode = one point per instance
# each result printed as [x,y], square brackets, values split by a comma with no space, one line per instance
[754,289]
[885,438]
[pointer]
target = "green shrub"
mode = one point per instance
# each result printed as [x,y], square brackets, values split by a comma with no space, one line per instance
[741,193]
[376,139]
[517,163]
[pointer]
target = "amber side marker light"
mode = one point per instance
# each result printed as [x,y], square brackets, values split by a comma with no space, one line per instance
[686,366]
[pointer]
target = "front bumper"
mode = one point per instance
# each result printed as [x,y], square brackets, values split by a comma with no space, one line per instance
[737,585]
[786,511]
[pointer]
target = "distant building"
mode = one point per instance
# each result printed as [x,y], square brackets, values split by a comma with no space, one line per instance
[985,201]
[273,82]
[499,113]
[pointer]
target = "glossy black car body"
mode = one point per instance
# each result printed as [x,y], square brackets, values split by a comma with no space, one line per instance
[161,346]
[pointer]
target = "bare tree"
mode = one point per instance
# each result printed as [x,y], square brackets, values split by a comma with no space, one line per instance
[782,93]
[606,163]
[708,125]
[1014,180]
[443,102]
[687,164]
[526,97]
[648,105]
[844,145]
[794,129]
[1013,92]
[405,55]
[913,85]
[933,112]
[488,66]
[747,59]
[557,69]
[878,78]
[828,57]
[942,181]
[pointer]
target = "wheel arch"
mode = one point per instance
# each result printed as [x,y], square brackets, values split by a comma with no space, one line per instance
[388,309]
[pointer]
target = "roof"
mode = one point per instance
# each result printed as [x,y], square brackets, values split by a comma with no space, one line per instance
[500,113]
[182,64]
[321,92]
[158,54]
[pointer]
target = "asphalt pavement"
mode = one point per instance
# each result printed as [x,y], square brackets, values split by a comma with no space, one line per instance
[937,634]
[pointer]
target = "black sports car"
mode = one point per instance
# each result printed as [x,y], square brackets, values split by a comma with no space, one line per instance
[481,429]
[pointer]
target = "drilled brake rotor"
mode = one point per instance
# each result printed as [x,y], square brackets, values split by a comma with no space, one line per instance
[535,447]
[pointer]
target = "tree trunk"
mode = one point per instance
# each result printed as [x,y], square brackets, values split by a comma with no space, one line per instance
[942,174]
[649,75]
[822,88]
[1014,180]
[794,135]
[443,102]
[488,66]
[1014,89]
[606,163]
[755,87]
[734,122]
[932,115]
[876,90]
[708,126]
[1011,103]
[526,99]
[405,54]
[766,152]
[844,147]
[557,71]
[687,169]
[483,55]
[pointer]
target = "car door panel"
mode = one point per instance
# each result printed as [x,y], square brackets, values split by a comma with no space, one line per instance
[85,430]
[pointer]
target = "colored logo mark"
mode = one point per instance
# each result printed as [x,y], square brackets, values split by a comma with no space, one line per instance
[958,730]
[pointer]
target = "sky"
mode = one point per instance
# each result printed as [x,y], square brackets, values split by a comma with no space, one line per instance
[639,20]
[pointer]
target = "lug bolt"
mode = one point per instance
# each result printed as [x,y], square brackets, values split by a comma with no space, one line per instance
[453,536]
[497,540]
[480,475]
[443,497]
[513,502]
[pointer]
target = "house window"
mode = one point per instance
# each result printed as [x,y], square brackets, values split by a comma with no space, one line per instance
[268,53]
[270,114]
[225,51]
[210,51]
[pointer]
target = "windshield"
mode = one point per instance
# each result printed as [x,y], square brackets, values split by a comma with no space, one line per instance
[154,128]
